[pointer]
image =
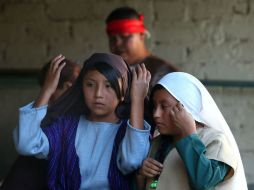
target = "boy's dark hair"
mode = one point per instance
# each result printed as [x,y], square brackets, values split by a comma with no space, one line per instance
[67,73]
[150,106]
[154,89]
[122,13]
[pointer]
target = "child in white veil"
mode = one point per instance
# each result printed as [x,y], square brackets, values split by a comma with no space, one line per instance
[203,139]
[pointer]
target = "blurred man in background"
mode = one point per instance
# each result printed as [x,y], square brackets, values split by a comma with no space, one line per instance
[126,34]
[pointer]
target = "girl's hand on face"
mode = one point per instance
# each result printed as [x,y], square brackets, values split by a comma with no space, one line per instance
[183,120]
[150,168]
[140,82]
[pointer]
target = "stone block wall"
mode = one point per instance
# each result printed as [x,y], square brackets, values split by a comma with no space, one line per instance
[212,39]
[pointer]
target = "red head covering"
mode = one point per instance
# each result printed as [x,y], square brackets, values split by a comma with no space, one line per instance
[126,26]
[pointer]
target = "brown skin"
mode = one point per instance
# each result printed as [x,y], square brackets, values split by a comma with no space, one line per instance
[51,82]
[59,91]
[139,88]
[171,118]
[97,87]
[129,46]
[101,99]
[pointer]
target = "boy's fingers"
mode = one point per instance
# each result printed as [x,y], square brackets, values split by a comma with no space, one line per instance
[56,58]
[180,106]
[175,109]
[151,173]
[151,167]
[134,74]
[138,71]
[56,64]
[172,113]
[61,66]
[148,76]
[144,70]
[154,162]
[143,67]
[154,169]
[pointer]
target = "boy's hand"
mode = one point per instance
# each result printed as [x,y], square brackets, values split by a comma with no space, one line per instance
[53,74]
[140,83]
[139,89]
[150,168]
[183,120]
[51,81]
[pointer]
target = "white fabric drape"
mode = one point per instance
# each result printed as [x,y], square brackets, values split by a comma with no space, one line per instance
[198,102]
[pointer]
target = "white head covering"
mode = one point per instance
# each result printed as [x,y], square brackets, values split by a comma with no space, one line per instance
[198,102]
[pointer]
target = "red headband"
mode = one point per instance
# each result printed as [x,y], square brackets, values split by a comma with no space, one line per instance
[126,26]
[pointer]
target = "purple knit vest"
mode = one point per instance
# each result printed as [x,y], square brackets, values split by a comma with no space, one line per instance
[63,161]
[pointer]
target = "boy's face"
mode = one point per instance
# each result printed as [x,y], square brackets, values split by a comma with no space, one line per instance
[100,97]
[163,103]
[128,46]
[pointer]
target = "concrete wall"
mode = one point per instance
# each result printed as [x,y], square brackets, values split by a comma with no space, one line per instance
[212,39]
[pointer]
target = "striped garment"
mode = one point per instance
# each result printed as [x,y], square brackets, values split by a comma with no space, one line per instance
[63,161]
